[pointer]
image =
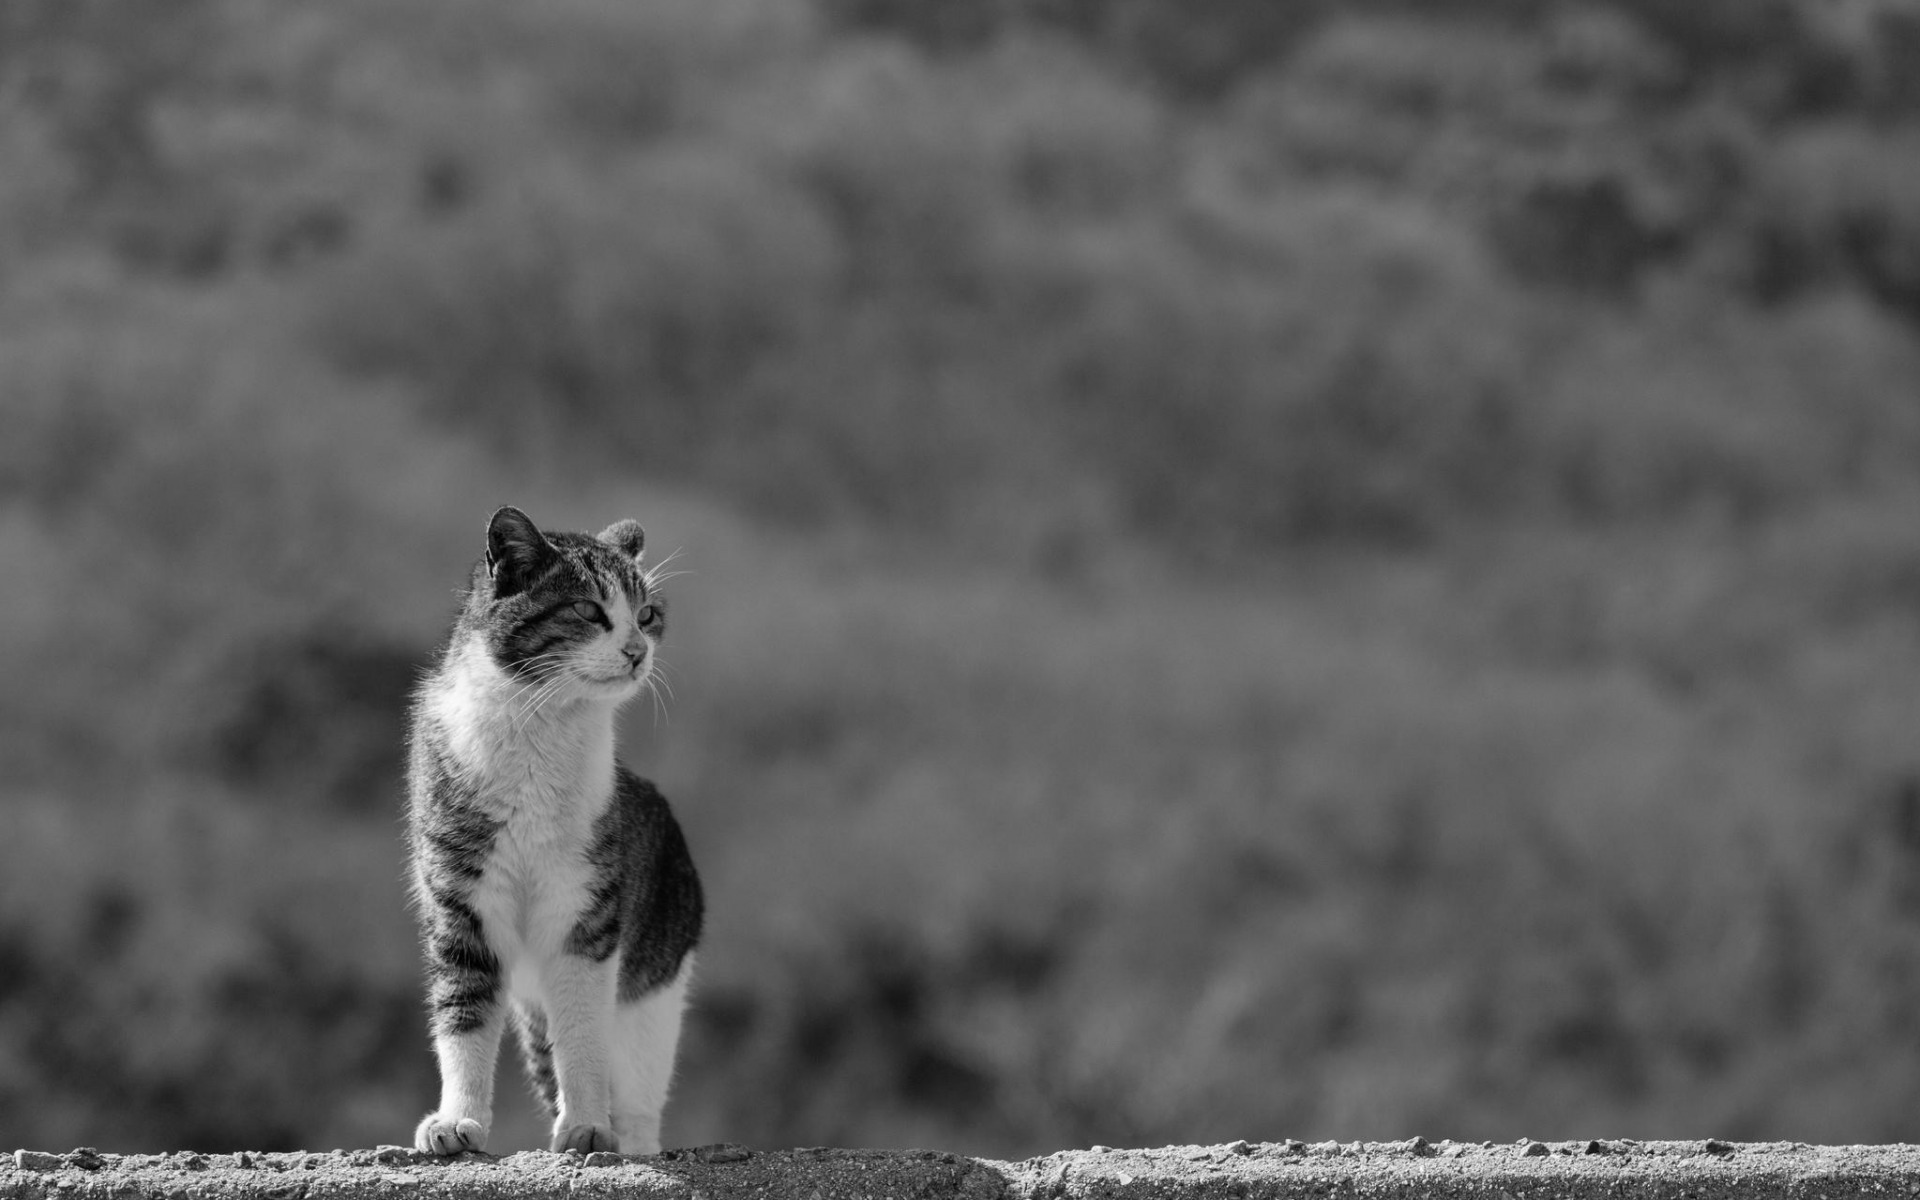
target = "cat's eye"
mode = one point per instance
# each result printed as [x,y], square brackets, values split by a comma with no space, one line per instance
[646,614]
[587,610]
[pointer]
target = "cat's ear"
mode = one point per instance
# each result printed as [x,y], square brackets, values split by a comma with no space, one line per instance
[515,550]
[627,537]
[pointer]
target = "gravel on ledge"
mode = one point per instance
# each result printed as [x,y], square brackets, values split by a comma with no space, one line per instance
[1411,1170]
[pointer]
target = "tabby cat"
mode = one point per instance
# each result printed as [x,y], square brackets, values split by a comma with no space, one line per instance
[550,880]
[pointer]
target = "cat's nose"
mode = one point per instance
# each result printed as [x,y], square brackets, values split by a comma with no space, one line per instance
[635,654]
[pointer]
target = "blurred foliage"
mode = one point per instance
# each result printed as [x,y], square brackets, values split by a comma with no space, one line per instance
[1259,569]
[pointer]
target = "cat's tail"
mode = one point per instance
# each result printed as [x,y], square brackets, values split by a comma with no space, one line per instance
[536,1054]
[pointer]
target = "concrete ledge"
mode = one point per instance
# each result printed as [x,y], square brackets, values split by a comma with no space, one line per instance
[1413,1170]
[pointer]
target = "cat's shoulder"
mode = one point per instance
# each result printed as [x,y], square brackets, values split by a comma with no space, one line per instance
[639,816]
[638,797]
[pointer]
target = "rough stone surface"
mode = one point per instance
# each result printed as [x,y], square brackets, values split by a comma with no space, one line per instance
[1599,1169]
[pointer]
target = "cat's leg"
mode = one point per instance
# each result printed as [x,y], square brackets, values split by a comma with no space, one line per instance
[464,998]
[646,1032]
[465,1115]
[536,1053]
[579,1005]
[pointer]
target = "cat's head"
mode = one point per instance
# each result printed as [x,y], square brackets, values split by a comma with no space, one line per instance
[570,609]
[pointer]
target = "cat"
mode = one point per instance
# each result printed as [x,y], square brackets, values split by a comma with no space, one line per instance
[549,880]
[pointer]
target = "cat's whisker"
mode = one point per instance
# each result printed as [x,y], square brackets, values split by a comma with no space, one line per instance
[658,574]
[549,688]
[534,667]
[660,676]
[547,696]
[531,679]
[524,716]
[536,684]
[660,682]
[518,703]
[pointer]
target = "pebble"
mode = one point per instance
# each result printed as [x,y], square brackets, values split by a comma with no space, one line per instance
[1716,1146]
[602,1158]
[1240,1147]
[1533,1149]
[36,1160]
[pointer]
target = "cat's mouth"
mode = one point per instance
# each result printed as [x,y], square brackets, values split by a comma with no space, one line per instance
[620,679]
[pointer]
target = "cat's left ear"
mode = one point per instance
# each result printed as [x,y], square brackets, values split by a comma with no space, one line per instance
[516,551]
[627,537]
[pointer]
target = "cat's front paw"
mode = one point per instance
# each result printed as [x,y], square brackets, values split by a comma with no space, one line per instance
[446,1136]
[585,1138]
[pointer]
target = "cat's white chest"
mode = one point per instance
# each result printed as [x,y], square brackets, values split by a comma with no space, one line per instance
[545,778]
[534,884]
[532,889]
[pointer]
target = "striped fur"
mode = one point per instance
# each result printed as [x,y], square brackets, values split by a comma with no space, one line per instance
[536,1055]
[548,878]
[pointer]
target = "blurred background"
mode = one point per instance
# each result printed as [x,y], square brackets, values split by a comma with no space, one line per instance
[1257,568]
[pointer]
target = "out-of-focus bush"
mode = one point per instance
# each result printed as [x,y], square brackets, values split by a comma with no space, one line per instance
[639,298]
[1426,892]
[1711,414]
[192,958]
[1838,206]
[100,75]
[1196,50]
[226,489]
[1327,367]
[1563,144]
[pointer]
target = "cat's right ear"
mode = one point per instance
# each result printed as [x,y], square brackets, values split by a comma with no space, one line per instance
[516,551]
[627,537]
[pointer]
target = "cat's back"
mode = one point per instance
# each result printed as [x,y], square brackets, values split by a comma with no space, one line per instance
[650,900]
